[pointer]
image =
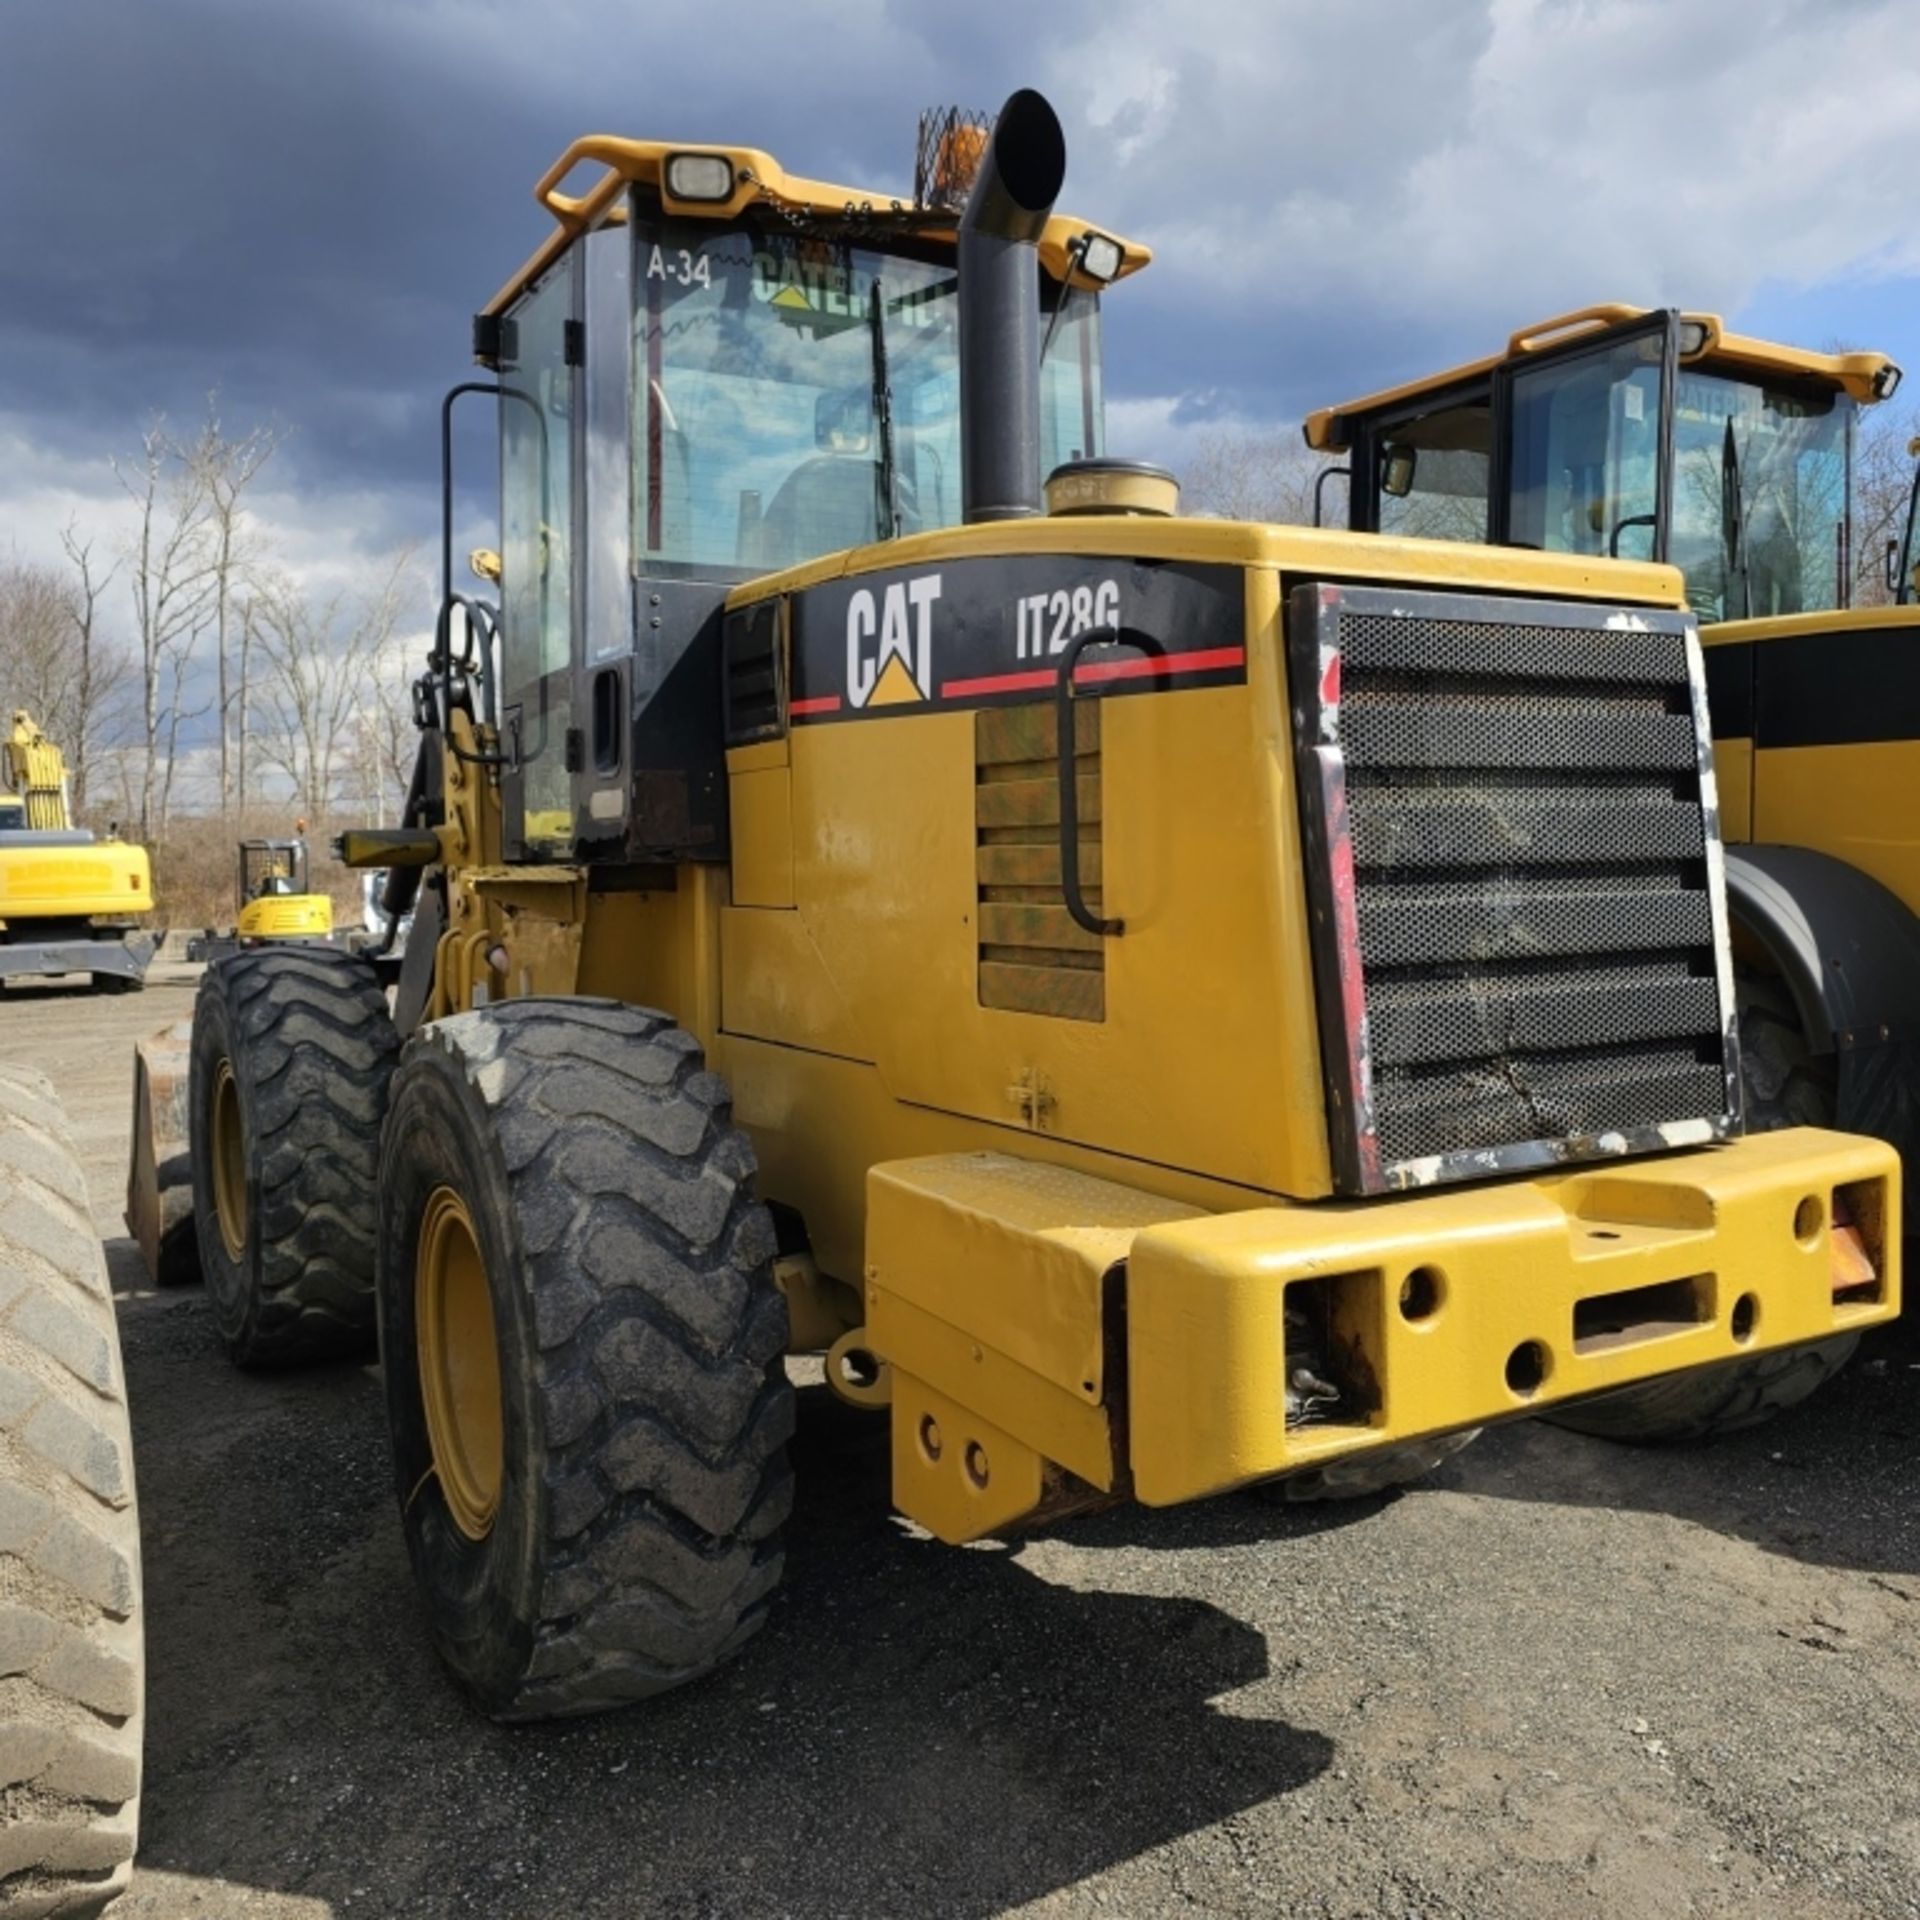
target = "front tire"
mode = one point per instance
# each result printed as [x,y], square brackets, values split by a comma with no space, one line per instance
[582,1347]
[72,1663]
[1783,1083]
[293,1049]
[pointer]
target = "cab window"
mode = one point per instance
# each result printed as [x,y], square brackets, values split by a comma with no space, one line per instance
[1432,473]
[1586,451]
[1760,496]
[759,361]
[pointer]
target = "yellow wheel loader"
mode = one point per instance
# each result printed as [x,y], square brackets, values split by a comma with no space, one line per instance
[1620,430]
[1160,1005]
[67,898]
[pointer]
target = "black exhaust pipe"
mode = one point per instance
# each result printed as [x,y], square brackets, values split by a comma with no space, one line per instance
[1013,193]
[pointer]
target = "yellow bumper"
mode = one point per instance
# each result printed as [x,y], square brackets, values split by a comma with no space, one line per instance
[1471,1305]
[1053,1339]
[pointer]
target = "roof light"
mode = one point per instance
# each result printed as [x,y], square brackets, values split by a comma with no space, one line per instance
[1886,382]
[1694,335]
[1101,258]
[699,176]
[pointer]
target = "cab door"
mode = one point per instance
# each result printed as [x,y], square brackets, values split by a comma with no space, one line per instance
[1584,436]
[539,405]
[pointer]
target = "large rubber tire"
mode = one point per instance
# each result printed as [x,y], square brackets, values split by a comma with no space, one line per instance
[1361,1475]
[644,1410]
[72,1669]
[301,1041]
[1783,1083]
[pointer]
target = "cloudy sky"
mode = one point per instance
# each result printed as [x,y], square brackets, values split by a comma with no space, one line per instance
[301,204]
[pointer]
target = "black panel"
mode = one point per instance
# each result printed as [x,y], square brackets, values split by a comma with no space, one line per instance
[1730,690]
[992,631]
[1517,942]
[1841,688]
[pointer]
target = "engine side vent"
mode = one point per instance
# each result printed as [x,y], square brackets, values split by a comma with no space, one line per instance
[1514,872]
[1033,957]
[753,676]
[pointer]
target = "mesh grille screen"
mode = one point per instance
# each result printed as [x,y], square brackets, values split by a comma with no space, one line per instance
[1529,932]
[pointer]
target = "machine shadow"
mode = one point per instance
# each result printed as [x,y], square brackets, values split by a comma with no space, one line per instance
[1833,1482]
[919,1729]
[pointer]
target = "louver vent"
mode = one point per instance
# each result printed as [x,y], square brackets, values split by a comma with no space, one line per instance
[1514,873]
[1033,957]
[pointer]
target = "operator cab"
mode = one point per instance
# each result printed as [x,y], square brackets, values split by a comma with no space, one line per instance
[715,371]
[1634,434]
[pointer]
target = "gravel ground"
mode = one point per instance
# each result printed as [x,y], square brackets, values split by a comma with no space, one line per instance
[1563,1678]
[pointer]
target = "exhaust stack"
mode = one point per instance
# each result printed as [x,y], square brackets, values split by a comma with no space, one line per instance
[1013,193]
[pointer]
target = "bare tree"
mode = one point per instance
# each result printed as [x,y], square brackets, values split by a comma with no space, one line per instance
[100,667]
[319,659]
[386,740]
[170,577]
[54,661]
[36,663]
[1266,475]
[223,469]
[1882,484]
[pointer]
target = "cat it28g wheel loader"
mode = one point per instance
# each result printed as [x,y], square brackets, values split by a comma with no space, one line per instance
[1622,430]
[1163,1005]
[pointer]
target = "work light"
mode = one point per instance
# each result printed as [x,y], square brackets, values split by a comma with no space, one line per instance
[1100,257]
[699,176]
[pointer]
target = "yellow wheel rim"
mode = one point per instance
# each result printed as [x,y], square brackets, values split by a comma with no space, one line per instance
[459,1363]
[229,1161]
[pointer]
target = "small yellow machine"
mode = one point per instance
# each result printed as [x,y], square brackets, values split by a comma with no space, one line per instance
[1161,1005]
[66,897]
[1624,430]
[275,900]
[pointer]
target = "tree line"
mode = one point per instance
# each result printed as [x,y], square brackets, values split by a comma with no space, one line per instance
[179,636]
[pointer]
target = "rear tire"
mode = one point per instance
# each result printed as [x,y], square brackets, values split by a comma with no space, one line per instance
[293,1050]
[615,1528]
[72,1666]
[1783,1083]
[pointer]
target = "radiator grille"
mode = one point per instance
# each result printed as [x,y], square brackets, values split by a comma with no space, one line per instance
[1513,869]
[1034,957]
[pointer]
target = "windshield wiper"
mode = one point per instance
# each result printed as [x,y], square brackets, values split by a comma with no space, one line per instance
[1733,519]
[883,416]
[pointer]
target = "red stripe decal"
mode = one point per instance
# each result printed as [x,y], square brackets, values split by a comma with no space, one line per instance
[1145,667]
[826,703]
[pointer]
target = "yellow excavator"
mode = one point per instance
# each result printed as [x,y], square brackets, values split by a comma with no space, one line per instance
[276,899]
[1163,1006]
[67,897]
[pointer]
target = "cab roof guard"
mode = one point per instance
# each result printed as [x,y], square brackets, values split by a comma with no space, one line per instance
[1865,377]
[757,179]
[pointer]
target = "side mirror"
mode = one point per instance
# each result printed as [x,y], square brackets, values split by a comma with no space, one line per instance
[843,421]
[1397,465]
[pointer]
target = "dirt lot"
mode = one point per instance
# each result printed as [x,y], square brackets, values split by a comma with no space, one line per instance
[1564,1678]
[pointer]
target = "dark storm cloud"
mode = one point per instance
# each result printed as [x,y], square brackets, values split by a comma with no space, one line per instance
[302,204]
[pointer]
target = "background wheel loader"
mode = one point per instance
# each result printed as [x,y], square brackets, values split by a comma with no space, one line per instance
[1160,1005]
[1621,430]
[67,898]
